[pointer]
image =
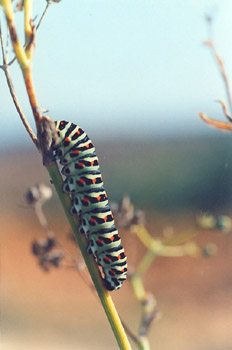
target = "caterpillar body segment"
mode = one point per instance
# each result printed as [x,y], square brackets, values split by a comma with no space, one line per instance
[75,143]
[84,165]
[115,276]
[114,263]
[97,243]
[78,153]
[112,256]
[83,182]
[87,201]
[97,219]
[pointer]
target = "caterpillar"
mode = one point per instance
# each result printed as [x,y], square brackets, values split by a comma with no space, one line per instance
[83,182]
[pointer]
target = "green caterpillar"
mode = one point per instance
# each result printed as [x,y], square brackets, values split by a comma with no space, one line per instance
[83,182]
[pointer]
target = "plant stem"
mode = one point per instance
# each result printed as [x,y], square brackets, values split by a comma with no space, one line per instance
[24,60]
[103,294]
[18,48]
[27,20]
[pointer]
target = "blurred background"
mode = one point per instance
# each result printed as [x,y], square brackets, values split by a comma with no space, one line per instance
[134,75]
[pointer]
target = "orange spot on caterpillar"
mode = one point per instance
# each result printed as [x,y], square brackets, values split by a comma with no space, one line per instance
[107,258]
[67,139]
[98,198]
[99,241]
[82,181]
[80,164]
[94,180]
[92,220]
[75,152]
[85,200]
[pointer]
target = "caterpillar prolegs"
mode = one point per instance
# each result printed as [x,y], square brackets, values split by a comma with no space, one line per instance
[83,182]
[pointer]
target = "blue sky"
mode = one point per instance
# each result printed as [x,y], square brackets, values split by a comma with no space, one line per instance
[125,67]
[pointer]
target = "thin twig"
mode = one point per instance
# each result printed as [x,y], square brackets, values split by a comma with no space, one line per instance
[42,219]
[43,14]
[216,123]
[5,68]
[225,111]
[130,333]
[210,44]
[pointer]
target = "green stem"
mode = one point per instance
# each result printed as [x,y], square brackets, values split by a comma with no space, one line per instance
[91,264]
[144,344]
[138,288]
[146,262]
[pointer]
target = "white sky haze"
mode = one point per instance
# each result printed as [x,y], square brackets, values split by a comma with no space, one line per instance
[125,66]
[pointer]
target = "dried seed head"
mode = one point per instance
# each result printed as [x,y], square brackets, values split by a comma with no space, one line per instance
[206,221]
[43,246]
[224,223]
[38,194]
[125,214]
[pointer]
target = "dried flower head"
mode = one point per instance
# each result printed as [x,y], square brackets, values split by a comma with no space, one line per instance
[206,221]
[47,255]
[224,223]
[53,258]
[43,246]
[39,193]
[125,214]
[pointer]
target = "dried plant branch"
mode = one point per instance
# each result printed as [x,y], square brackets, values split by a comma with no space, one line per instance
[130,334]
[43,15]
[216,123]
[36,196]
[149,314]
[23,59]
[219,61]
[225,111]
[148,304]
[42,219]
[221,67]
[6,71]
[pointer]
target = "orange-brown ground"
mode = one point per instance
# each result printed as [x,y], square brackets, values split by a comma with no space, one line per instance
[56,310]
